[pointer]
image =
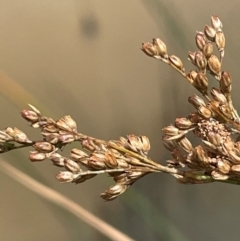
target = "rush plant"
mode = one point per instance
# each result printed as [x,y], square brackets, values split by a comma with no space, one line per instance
[214,122]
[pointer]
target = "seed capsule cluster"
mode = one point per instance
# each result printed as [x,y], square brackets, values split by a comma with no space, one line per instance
[215,121]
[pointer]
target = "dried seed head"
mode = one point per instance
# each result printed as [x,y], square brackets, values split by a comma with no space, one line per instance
[170,131]
[191,76]
[17,135]
[196,101]
[183,123]
[160,47]
[200,61]
[77,154]
[219,176]
[218,96]
[137,143]
[210,33]
[110,160]
[226,111]
[225,82]
[149,49]
[205,112]
[37,156]
[201,83]
[223,166]
[191,57]
[200,40]
[42,146]
[71,166]
[57,159]
[51,137]
[65,176]
[67,123]
[216,23]
[114,191]
[220,40]
[208,50]
[176,62]
[97,161]
[169,145]
[214,64]
[4,137]
[30,115]
[185,144]
[66,138]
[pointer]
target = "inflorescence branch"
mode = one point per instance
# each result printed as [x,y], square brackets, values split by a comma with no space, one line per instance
[215,122]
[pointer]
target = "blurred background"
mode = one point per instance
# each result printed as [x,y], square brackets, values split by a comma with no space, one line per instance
[83,58]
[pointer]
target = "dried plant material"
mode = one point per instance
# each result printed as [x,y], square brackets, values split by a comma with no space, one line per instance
[214,121]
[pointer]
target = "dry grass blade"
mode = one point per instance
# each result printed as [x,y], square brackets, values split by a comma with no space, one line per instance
[64,202]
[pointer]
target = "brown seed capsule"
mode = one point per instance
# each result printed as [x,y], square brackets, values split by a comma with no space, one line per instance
[218,96]
[17,135]
[71,165]
[191,76]
[226,111]
[30,115]
[110,160]
[223,166]
[210,32]
[216,22]
[42,146]
[208,50]
[169,145]
[170,131]
[225,82]
[149,49]
[176,62]
[145,144]
[200,40]
[191,56]
[205,112]
[66,138]
[220,41]
[65,176]
[160,47]
[183,123]
[214,64]
[4,137]
[67,123]
[77,154]
[185,144]
[57,159]
[36,156]
[219,176]
[196,101]
[201,83]
[113,192]
[200,61]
